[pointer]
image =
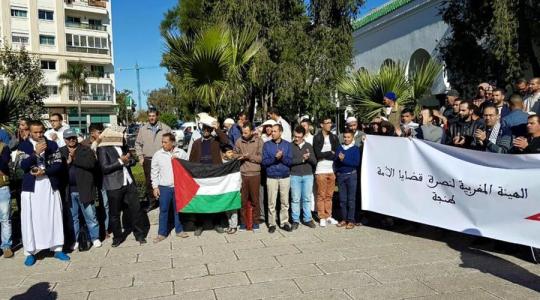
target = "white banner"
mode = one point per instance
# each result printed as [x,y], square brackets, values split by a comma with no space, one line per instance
[479,193]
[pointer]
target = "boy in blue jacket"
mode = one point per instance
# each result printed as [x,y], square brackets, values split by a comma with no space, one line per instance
[345,164]
[277,159]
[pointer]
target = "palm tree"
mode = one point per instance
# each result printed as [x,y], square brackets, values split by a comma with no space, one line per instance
[12,96]
[365,90]
[213,63]
[75,78]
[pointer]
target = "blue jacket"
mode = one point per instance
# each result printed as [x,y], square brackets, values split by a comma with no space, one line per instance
[234,134]
[517,122]
[5,157]
[4,137]
[277,168]
[350,162]
[53,164]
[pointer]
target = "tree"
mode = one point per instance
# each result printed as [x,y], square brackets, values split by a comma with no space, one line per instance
[19,65]
[212,64]
[13,97]
[75,79]
[125,112]
[170,119]
[307,48]
[365,91]
[486,45]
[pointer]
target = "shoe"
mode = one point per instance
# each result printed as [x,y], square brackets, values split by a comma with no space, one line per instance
[75,246]
[219,229]
[198,231]
[231,230]
[256,227]
[295,225]
[142,241]
[61,256]
[116,242]
[8,253]
[158,239]
[271,229]
[332,221]
[287,227]
[182,234]
[350,225]
[322,223]
[96,243]
[310,224]
[30,260]
[342,224]
[242,227]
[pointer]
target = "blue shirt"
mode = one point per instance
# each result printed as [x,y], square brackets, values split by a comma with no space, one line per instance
[234,134]
[4,137]
[277,168]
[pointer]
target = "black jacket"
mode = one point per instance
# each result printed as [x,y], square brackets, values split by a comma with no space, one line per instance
[113,170]
[84,162]
[318,143]
[300,167]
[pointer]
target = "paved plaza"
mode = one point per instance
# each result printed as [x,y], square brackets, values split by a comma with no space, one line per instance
[322,263]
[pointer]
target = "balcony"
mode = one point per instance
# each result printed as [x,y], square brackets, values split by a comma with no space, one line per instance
[96,98]
[86,26]
[87,50]
[93,6]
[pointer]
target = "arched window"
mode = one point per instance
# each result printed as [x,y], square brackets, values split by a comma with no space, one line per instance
[418,58]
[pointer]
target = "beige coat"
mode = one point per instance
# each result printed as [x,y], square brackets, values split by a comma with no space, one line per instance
[148,143]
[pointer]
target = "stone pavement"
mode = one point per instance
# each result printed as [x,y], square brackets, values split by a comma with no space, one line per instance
[322,263]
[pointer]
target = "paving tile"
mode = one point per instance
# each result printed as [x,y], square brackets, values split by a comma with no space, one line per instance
[318,295]
[515,291]
[216,257]
[166,275]
[61,276]
[135,268]
[268,251]
[476,294]
[135,292]
[210,282]
[419,271]
[198,295]
[93,284]
[290,272]
[395,290]
[258,290]
[334,281]
[309,258]
[265,262]
[361,264]
[251,244]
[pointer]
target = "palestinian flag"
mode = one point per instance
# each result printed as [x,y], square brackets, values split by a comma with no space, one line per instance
[204,188]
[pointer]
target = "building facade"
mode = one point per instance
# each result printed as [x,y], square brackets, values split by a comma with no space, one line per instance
[62,32]
[408,31]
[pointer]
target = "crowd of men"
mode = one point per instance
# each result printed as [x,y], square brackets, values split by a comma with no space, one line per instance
[72,194]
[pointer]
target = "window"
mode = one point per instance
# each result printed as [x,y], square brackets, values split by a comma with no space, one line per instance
[46,39]
[45,14]
[52,90]
[97,71]
[17,12]
[86,44]
[48,65]
[69,39]
[19,38]
[73,20]
[94,22]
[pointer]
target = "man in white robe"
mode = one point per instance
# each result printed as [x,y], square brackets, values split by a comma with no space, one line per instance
[41,206]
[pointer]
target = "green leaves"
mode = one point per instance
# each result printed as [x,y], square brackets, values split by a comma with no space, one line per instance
[212,63]
[12,101]
[365,91]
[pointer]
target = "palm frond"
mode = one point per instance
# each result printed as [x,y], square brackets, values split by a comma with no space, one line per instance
[11,96]
[423,77]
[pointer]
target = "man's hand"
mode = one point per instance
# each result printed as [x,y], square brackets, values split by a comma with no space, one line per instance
[341,156]
[245,156]
[279,154]
[125,159]
[480,135]
[54,136]
[40,148]
[39,172]
[306,156]
[141,161]
[521,143]
[459,140]
[156,192]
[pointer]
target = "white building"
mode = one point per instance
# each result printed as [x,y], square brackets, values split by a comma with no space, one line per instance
[61,32]
[409,31]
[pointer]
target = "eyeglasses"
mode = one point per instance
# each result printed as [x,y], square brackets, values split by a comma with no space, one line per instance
[326,123]
[54,120]
[71,138]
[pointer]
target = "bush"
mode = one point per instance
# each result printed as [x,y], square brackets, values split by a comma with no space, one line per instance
[169,119]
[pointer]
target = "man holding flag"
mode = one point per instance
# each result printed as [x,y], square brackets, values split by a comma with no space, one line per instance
[207,150]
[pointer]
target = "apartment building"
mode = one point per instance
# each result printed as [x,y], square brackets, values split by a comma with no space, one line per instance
[61,32]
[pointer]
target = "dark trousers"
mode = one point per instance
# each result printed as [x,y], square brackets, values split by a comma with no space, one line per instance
[127,195]
[250,210]
[167,208]
[147,168]
[347,195]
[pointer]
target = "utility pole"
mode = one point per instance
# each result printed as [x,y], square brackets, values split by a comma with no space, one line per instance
[138,69]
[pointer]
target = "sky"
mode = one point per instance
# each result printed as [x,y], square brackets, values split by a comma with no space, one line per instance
[137,39]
